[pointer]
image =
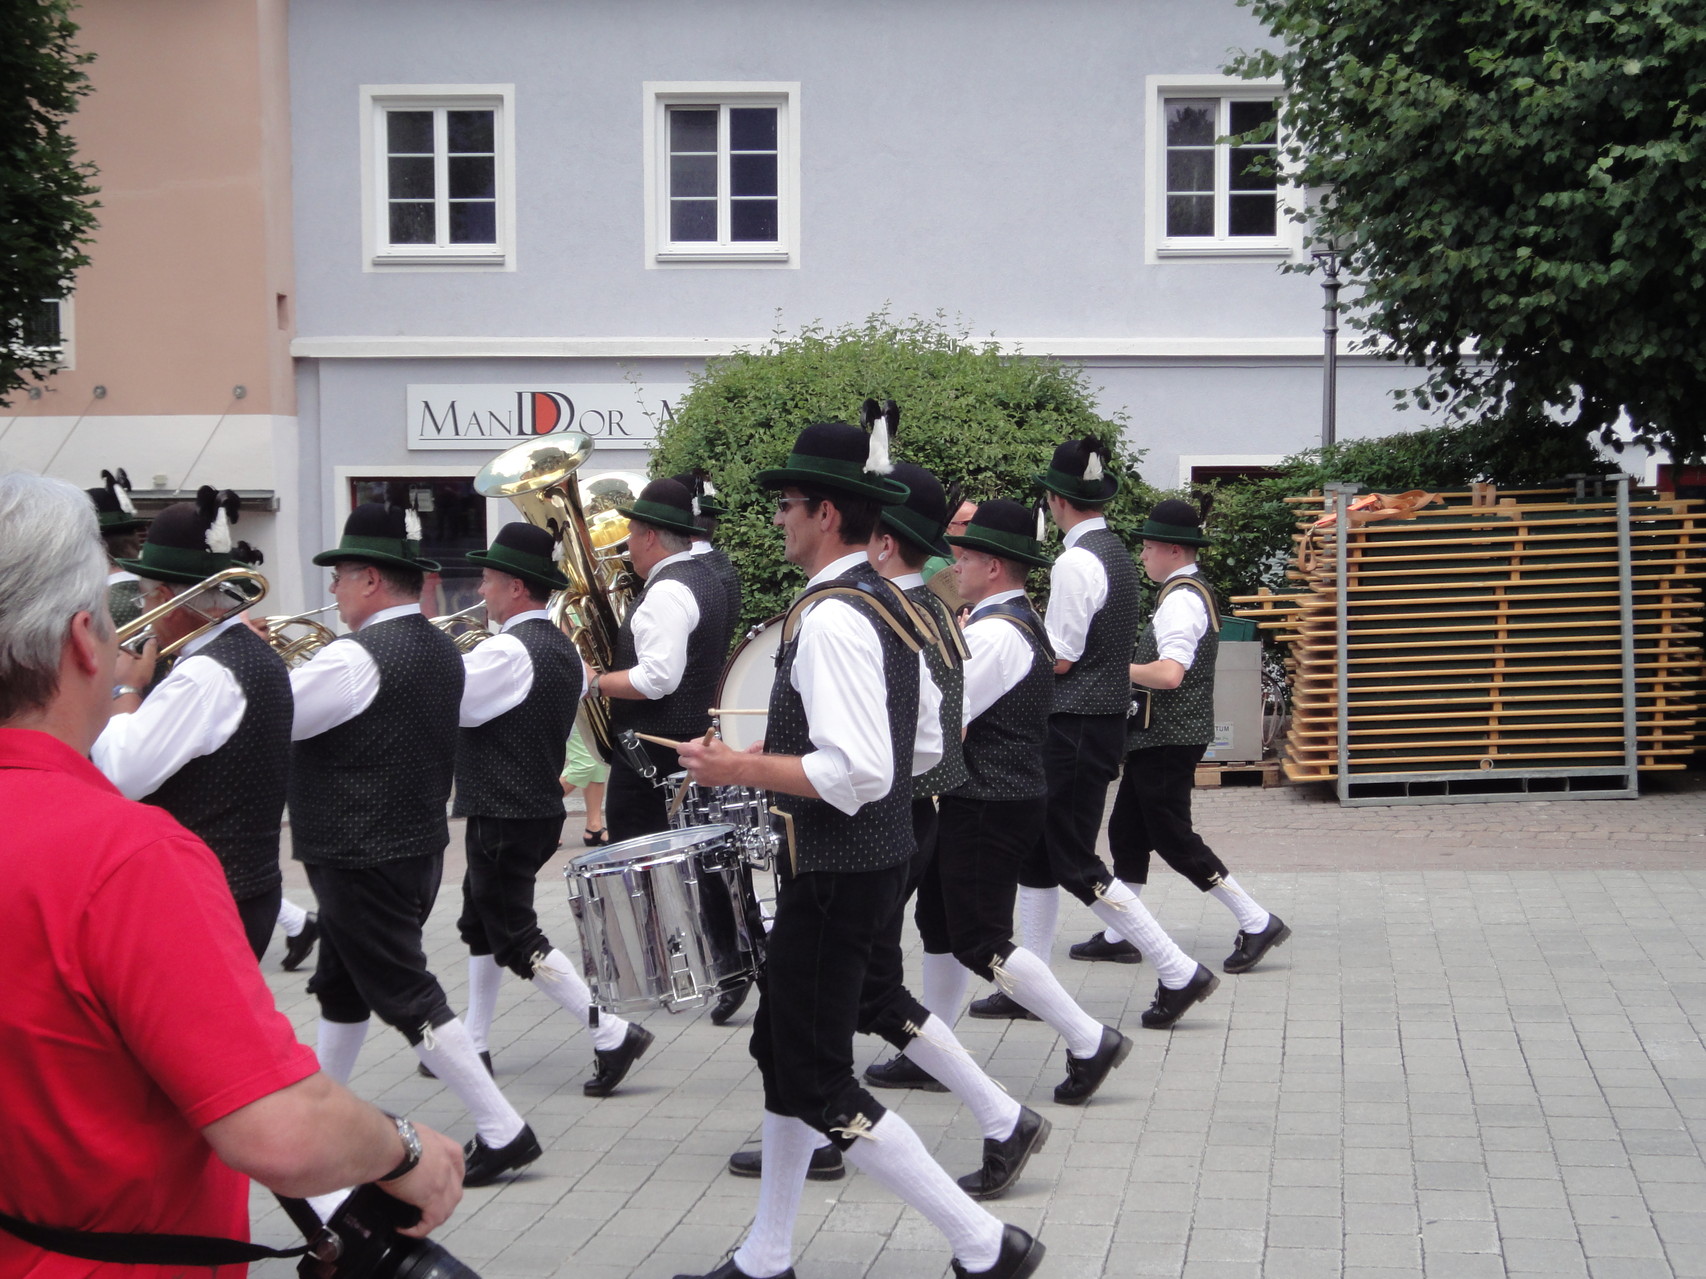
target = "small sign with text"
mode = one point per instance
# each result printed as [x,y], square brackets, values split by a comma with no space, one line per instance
[491,417]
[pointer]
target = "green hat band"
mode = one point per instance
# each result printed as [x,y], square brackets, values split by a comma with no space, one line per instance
[398,547]
[980,538]
[832,466]
[1091,489]
[1157,532]
[671,517]
[180,559]
[925,532]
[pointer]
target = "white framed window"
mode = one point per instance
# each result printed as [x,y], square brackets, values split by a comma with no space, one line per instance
[722,174]
[46,329]
[438,177]
[1209,196]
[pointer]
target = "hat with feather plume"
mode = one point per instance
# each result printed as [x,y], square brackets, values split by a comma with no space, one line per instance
[113,506]
[1078,472]
[844,458]
[190,541]
[381,533]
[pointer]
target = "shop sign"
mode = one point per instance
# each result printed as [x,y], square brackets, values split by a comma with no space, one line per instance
[490,417]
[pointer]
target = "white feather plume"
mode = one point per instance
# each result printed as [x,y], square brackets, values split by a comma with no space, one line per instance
[411,526]
[710,488]
[219,534]
[877,459]
[695,506]
[124,502]
[1042,523]
[1093,468]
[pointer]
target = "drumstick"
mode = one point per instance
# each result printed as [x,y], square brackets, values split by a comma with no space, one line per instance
[681,791]
[729,710]
[661,741]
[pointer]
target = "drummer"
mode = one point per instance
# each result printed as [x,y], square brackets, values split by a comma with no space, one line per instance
[669,651]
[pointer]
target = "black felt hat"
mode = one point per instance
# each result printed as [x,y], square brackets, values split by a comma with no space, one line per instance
[704,495]
[1176,522]
[525,551]
[378,534]
[834,455]
[113,506]
[189,541]
[1002,527]
[664,504]
[923,517]
[1078,472]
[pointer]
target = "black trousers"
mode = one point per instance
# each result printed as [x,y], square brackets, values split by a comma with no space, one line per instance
[1152,813]
[260,917]
[886,1006]
[370,959]
[1081,756]
[632,805]
[965,905]
[505,855]
[809,994]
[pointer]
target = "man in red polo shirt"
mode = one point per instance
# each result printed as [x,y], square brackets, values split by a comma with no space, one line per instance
[146,1072]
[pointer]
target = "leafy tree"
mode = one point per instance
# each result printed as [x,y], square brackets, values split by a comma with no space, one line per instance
[1523,175]
[46,204]
[968,413]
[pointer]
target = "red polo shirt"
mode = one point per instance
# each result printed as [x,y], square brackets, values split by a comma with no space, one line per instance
[132,1013]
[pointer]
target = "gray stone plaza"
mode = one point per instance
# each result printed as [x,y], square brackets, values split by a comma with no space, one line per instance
[1479,1055]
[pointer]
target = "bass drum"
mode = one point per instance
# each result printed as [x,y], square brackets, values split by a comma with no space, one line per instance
[745,684]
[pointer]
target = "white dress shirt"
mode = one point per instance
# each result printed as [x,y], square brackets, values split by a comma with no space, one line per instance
[195,710]
[662,622]
[340,682]
[1000,656]
[927,741]
[498,673]
[1078,587]
[700,547]
[119,575]
[1180,622]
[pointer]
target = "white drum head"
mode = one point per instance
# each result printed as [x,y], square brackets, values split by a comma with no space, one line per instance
[746,684]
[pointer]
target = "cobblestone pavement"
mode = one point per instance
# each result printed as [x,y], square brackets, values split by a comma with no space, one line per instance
[1480,1055]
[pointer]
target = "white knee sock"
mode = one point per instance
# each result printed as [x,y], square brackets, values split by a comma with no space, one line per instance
[936,1050]
[1251,917]
[448,1051]
[337,1045]
[1031,983]
[946,981]
[556,976]
[1108,934]
[1120,910]
[484,978]
[787,1148]
[894,1156]
[291,917]
[1039,919]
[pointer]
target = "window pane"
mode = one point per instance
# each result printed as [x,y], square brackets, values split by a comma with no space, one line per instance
[41,324]
[1190,121]
[1190,215]
[752,175]
[410,177]
[751,220]
[692,175]
[692,129]
[1246,116]
[1190,170]
[413,223]
[1252,215]
[408,131]
[472,177]
[752,128]
[470,130]
[473,222]
[1253,169]
[693,220]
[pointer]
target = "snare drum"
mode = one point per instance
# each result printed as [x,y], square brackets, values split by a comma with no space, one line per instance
[741,807]
[666,920]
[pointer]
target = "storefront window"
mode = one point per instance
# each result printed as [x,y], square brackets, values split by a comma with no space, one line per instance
[453,522]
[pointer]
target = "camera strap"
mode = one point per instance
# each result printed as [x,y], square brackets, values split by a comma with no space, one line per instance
[121,1248]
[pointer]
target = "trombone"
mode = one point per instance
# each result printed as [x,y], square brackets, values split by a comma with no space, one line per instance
[297,649]
[467,633]
[136,632]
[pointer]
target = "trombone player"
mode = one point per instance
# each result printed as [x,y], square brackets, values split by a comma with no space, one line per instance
[211,744]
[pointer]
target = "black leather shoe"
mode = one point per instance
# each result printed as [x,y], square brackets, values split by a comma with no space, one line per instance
[728,1003]
[1100,950]
[484,1165]
[1170,1005]
[728,1270]
[1003,1161]
[296,948]
[611,1067]
[1085,1074]
[826,1165]
[1020,1256]
[1248,950]
[425,1071]
[1001,1007]
[900,1071]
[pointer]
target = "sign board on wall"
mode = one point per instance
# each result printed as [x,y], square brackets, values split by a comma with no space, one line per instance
[492,416]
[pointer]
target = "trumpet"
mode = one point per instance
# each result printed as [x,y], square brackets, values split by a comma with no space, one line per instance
[136,632]
[463,629]
[297,649]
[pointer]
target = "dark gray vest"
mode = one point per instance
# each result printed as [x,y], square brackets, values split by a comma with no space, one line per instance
[949,772]
[1182,716]
[686,711]
[1004,745]
[374,789]
[1099,682]
[124,602]
[234,798]
[728,575]
[879,835]
[509,766]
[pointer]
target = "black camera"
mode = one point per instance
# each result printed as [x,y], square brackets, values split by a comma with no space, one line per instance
[361,1242]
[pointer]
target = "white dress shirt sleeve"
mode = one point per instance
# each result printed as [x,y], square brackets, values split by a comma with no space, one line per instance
[662,623]
[927,740]
[999,659]
[838,672]
[337,685]
[498,675]
[1078,587]
[1180,623]
[195,710]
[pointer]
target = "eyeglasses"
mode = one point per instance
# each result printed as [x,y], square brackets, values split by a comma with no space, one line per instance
[783,503]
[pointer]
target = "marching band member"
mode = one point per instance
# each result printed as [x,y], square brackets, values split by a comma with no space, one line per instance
[707,510]
[211,745]
[669,651]
[518,708]
[375,735]
[842,716]
[121,529]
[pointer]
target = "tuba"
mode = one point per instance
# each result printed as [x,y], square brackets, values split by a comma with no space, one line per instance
[539,477]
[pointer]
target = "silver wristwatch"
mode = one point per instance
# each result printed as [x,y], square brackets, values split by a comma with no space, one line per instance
[411,1147]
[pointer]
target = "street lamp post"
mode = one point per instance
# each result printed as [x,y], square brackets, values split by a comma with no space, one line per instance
[1328,260]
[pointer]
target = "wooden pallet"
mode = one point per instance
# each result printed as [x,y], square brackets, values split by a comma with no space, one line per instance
[1265,773]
